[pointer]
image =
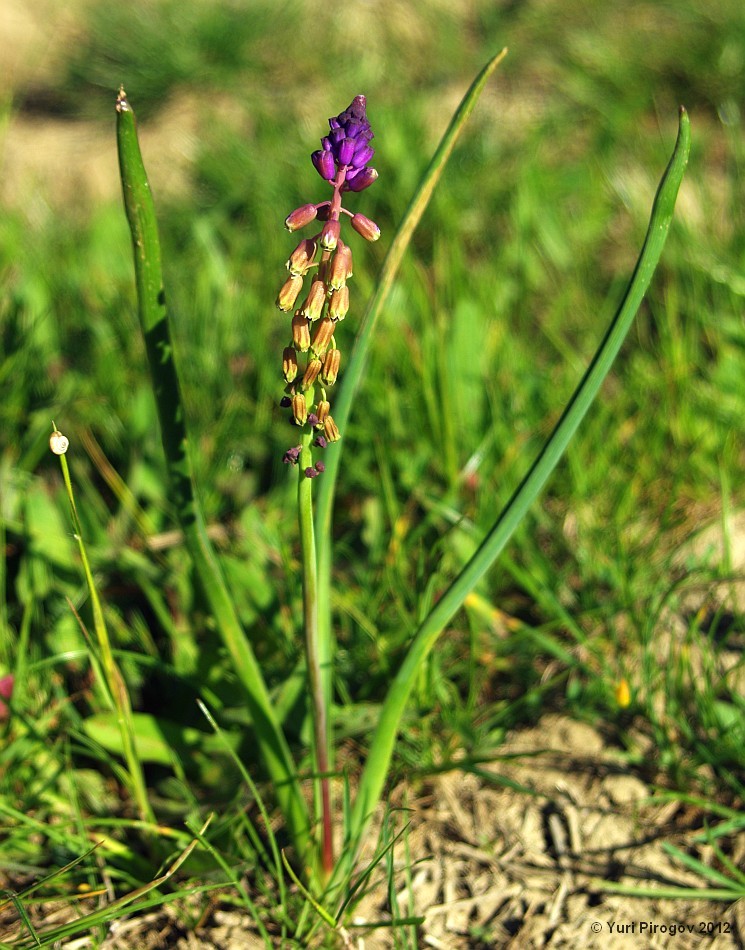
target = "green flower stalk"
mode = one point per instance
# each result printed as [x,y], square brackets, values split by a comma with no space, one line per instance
[326,261]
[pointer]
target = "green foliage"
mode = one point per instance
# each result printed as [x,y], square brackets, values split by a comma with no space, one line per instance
[500,302]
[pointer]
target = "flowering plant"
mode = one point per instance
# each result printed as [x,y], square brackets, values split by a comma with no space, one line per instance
[322,264]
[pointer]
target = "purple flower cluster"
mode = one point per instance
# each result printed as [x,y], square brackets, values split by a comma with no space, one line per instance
[323,262]
[346,149]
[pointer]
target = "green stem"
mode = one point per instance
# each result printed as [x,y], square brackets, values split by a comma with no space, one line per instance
[153,316]
[319,707]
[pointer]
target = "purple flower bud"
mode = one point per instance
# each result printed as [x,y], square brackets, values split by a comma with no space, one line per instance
[362,155]
[310,472]
[291,456]
[324,164]
[312,419]
[346,145]
[346,151]
[353,128]
[358,108]
[285,402]
[320,467]
[363,179]
[320,442]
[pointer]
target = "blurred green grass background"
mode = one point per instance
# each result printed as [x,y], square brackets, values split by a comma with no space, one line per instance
[513,275]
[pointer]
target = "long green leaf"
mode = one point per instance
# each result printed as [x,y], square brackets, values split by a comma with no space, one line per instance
[378,761]
[138,202]
[355,368]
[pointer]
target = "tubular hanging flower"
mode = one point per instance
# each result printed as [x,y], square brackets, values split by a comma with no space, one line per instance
[343,161]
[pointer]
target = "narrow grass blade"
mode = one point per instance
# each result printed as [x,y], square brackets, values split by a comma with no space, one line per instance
[321,911]
[356,366]
[271,837]
[25,919]
[374,774]
[138,202]
[668,893]
[233,875]
[704,870]
[108,912]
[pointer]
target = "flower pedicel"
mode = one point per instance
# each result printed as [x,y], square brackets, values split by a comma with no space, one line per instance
[342,161]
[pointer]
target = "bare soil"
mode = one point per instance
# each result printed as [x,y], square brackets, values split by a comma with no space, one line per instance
[493,866]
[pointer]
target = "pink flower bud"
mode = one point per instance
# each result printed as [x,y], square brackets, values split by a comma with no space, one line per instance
[313,305]
[6,692]
[311,373]
[330,235]
[331,367]
[339,303]
[330,429]
[322,410]
[289,292]
[300,332]
[289,364]
[299,409]
[322,337]
[300,217]
[340,268]
[302,257]
[364,226]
